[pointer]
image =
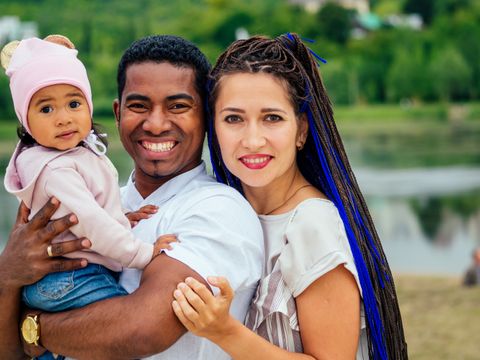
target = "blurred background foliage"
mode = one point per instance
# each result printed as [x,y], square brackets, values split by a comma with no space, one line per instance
[388,64]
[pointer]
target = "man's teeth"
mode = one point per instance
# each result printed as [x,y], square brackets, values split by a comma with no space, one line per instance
[159,147]
[257,160]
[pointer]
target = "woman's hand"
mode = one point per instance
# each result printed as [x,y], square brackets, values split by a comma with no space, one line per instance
[28,255]
[144,212]
[202,313]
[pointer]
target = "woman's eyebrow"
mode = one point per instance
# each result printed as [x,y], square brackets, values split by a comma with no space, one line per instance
[264,110]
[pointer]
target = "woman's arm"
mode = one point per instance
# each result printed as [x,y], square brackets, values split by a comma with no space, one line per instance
[328,312]
[24,261]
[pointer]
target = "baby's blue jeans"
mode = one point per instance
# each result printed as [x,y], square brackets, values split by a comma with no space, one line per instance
[70,290]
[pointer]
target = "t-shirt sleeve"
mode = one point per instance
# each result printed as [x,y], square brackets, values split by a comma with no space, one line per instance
[220,236]
[316,244]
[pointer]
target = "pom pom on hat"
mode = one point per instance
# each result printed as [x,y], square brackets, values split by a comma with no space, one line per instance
[7,53]
[35,64]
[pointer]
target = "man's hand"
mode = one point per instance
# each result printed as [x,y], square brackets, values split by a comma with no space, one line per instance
[25,259]
[144,212]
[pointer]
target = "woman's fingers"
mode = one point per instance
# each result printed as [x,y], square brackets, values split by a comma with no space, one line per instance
[223,284]
[191,296]
[190,313]
[181,316]
[201,290]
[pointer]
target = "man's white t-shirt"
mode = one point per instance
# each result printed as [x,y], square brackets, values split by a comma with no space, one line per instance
[219,234]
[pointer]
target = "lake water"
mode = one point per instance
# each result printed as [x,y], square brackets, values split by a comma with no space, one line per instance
[424,197]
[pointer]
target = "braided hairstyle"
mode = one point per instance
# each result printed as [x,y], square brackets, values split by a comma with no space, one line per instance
[324,163]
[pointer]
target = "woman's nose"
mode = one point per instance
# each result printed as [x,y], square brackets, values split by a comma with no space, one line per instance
[253,137]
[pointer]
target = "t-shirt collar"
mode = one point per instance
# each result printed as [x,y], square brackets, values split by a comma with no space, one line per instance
[133,200]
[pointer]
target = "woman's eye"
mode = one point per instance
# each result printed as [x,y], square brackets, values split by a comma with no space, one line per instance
[74,104]
[46,109]
[231,119]
[273,118]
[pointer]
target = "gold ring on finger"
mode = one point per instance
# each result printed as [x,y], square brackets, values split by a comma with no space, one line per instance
[49,251]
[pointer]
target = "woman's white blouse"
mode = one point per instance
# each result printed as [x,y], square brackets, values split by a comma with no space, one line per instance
[300,246]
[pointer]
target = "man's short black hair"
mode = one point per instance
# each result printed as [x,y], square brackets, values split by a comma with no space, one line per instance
[165,48]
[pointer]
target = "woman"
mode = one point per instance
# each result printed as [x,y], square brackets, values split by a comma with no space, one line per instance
[273,138]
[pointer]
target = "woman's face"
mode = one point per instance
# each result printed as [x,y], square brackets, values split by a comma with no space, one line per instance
[257,129]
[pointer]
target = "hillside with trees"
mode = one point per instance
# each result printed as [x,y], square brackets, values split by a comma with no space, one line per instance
[389,64]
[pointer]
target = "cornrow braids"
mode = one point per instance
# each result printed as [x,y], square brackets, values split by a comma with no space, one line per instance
[324,163]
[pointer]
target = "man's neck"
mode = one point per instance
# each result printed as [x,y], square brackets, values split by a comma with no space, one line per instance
[146,185]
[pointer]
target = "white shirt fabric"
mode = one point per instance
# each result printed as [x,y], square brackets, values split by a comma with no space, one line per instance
[219,234]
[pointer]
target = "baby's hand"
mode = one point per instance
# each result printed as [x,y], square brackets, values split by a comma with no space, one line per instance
[202,313]
[163,242]
[144,212]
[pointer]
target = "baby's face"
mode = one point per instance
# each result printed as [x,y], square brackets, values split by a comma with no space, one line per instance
[59,116]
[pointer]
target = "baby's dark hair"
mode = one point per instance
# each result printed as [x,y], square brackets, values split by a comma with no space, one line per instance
[27,140]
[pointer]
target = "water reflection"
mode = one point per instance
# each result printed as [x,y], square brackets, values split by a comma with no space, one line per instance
[428,218]
[426,234]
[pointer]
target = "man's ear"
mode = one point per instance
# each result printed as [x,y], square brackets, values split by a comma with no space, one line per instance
[116,112]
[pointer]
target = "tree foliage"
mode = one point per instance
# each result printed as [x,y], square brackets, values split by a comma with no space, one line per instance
[438,63]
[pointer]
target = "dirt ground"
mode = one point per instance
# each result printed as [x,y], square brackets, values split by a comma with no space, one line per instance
[441,318]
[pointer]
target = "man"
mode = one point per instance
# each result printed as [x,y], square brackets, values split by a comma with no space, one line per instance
[159,115]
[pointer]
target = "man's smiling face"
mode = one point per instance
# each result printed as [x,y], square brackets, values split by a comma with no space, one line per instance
[160,121]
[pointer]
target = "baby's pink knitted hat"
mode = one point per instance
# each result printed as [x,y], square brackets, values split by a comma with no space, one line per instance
[36,64]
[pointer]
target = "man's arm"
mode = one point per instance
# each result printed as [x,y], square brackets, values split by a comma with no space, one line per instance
[132,326]
[24,261]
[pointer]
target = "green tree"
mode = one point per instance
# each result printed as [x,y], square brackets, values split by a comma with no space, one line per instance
[407,76]
[451,75]
[6,103]
[425,8]
[335,22]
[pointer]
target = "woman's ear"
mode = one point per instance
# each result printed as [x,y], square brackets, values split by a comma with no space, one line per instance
[7,53]
[302,132]
[60,40]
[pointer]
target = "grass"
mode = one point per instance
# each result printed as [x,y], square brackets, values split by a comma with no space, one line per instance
[441,317]
[438,112]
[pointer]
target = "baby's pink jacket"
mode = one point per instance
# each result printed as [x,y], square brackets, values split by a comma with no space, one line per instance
[87,185]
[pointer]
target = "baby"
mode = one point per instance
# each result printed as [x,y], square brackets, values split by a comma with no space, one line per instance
[61,154]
